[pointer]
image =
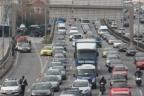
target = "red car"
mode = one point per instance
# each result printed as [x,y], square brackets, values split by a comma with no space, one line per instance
[139,62]
[21,38]
[120,69]
[120,89]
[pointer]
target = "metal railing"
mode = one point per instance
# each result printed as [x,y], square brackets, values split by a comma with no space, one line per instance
[138,45]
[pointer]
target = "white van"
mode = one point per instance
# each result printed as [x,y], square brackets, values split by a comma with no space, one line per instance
[62,28]
[102,29]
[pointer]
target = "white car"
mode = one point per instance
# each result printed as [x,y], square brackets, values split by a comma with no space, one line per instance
[117,43]
[54,72]
[10,87]
[84,86]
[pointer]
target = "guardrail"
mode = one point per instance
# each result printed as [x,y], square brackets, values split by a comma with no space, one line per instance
[138,45]
[4,65]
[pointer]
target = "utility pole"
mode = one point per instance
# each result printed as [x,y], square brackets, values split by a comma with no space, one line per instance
[13,18]
[46,37]
[131,21]
[46,20]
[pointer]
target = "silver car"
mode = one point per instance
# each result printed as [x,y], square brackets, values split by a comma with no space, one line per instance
[42,89]
[53,80]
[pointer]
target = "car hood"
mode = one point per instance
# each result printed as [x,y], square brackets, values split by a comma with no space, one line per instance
[10,88]
[41,92]
[120,72]
[85,77]
[120,90]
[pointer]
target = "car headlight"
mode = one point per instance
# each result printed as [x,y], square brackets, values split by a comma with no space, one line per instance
[93,80]
[86,91]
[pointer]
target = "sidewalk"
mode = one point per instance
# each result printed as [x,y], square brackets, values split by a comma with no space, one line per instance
[5,47]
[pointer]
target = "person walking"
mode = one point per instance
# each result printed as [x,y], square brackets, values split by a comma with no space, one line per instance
[23,83]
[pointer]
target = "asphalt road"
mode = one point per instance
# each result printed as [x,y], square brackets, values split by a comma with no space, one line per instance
[31,65]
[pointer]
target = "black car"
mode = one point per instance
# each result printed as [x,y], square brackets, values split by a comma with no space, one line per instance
[122,48]
[131,52]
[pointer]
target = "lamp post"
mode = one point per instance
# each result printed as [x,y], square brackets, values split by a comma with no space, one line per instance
[131,20]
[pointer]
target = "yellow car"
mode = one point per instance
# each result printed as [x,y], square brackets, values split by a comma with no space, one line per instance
[46,51]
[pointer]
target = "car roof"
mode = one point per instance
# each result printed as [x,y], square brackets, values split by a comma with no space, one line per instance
[86,66]
[80,80]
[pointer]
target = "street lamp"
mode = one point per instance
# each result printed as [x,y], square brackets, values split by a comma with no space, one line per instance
[131,20]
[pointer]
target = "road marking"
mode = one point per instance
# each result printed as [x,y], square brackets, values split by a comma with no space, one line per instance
[38,54]
[44,67]
[140,91]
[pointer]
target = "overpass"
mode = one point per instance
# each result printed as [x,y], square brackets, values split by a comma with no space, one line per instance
[91,9]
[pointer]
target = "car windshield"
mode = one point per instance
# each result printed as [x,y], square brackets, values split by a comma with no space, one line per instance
[10,83]
[120,69]
[80,84]
[25,45]
[45,79]
[120,85]
[115,77]
[47,48]
[56,64]
[77,36]
[53,72]
[86,72]
[59,67]
[86,54]
[120,94]
[41,86]
[62,28]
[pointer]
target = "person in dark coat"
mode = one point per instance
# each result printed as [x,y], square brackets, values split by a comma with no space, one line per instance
[23,83]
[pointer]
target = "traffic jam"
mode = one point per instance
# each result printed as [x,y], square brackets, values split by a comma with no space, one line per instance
[78,55]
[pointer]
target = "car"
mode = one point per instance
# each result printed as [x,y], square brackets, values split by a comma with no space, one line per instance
[110,58]
[73,37]
[122,47]
[62,70]
[23,47]
[73,30]
[59,55]
[117,78]
[55,63]
[10,87]
[110,51]
[130,51]
[111,40]
[54,72]
[139,54]
[84,86]
[114,62]
[105,51]
[120,89]
[120,69]
[71,92]
[47,51]
[126,24]
[42,89]
[117,43]
[121,31]
[114,25]
[139,62]
[53,80]
[60,51]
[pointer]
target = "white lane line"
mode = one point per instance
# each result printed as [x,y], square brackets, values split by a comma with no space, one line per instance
[44,67]
[140,91]
[34,46]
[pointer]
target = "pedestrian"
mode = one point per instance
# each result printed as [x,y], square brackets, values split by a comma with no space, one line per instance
[23,83]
